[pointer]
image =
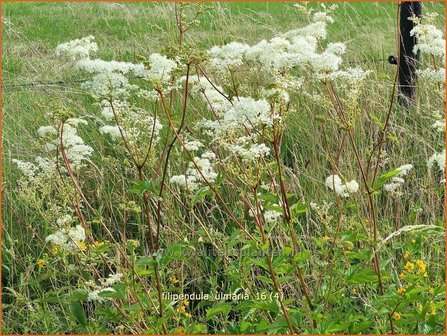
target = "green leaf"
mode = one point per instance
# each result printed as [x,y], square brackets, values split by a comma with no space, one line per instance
[269,197]
[359,327]
[201,194]
[385,177]
[298,208]
[359,275]
[79,295]
[78,313]
[140,187]
[301,256]
[220,308]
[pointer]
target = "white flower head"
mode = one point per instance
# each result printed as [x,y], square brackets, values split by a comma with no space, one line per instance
[77,49]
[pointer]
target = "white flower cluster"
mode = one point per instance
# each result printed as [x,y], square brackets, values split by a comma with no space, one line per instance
[111,83]
[161,69]
[42,170]
[75,149]
[430,41]
[77,49]
[228,57]
[439,126]
[335,183]
[272,216]
[111,78]
[70,239]
[99,66]
[238,128]
[198,173]
[393,186]
[136,124]
[438,160]
[298,48]
[211,95]
[104,286]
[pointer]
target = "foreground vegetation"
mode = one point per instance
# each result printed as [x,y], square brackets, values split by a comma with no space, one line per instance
[252,156]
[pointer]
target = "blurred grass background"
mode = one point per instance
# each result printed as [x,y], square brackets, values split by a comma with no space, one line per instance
[123,31]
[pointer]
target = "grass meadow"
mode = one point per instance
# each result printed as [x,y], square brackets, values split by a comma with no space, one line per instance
[308,257]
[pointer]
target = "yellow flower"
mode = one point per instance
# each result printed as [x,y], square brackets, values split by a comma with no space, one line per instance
[396,316]
[354,291]
[97,244]
[401,290]
[413,241]
[82,246]
[431,290]
[173,280]
[407,255]
[41,263]
[402,275]
[188,315]
[421,266]
[432,310]
[420,307]
[185,302]
[325,238]
[181,309]
[179,330]
[409,266]
[55,249]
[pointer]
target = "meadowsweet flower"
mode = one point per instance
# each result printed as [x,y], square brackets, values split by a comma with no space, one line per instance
[198,173]
[429,40]
[352,187]
[109,84]
[104,286]
[94,294]
[404,169]
[335,183]
[193,145]
[435,76]
[77,49]
[161,69]
[100,66]
[68,239]
[228,56]
[113,131]
[272,216]
[438,160]
[42,170]
[393,186]
[112,279]
[439,126]
[64,220]
[45,131]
